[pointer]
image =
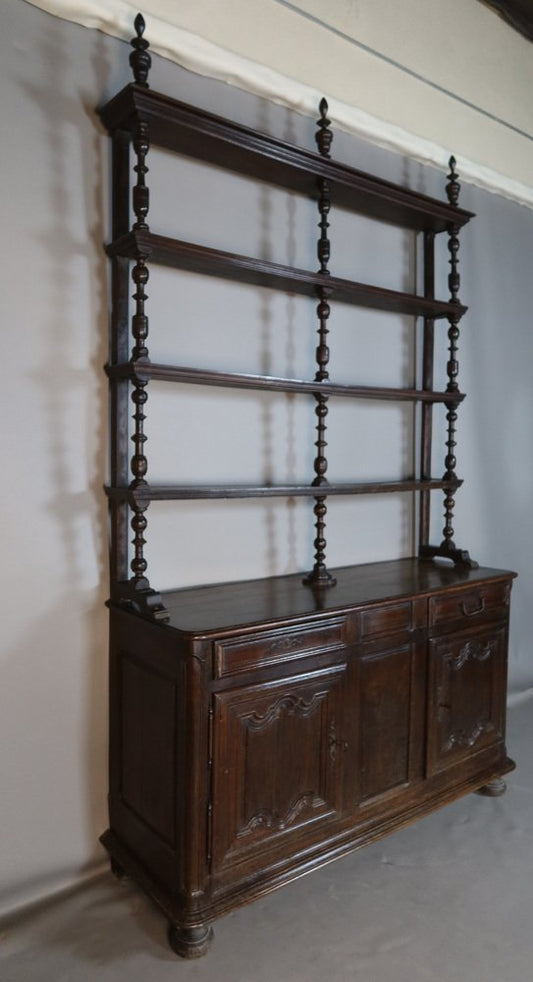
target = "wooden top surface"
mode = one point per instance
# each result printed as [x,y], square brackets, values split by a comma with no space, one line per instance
[225,606]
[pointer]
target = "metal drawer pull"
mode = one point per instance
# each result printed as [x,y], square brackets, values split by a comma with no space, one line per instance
[473,610]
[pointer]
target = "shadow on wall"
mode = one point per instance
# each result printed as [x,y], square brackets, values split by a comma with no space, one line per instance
[61,660]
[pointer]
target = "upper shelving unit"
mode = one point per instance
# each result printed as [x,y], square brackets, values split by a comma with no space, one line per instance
[139,118]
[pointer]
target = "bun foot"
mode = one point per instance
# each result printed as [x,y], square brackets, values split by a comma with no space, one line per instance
[190,942]
[116,869]
[493,789]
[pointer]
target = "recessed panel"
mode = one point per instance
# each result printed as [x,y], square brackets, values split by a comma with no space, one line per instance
[384,710]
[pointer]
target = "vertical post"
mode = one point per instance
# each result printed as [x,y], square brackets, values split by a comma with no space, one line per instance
[452,190]
[319,576]
[137,589]
[427,385]
[447,548]
[119,354]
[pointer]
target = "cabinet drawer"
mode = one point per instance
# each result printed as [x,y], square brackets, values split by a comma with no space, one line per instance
[469,605]
[258,650]
[383,620]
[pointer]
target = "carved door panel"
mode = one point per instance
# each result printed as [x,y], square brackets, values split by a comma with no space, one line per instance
[466,708]
[278,764]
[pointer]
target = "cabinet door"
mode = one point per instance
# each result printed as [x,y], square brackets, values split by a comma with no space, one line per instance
[389,712]
[467,682]
[278,764]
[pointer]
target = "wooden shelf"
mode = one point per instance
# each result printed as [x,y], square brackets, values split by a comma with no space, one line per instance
[144,371]
[260,272]
[146,493]
[204,136]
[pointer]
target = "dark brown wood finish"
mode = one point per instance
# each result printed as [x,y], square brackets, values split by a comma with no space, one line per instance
[259,272]
[269,727]
[319,575]
[145,493]
[427,383]
[119,350]
[260,729]
[185,129]
[147,370]
[448,549]
[389,585]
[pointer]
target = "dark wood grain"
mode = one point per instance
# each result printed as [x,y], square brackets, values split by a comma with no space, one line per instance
[119,351]
[428,350]
[260,272]
[146,370]
[270,727]
[259,729]
[448,547]
[319,575]
[186,492]
[220,606]
[204,136]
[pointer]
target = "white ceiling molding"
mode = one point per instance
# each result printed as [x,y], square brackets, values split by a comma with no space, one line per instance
[465,127]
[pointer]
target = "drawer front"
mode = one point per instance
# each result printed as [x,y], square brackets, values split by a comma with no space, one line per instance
[392,618]
[469,605]
[254,651]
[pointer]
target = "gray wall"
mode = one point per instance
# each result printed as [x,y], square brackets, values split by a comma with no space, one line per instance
[55,294]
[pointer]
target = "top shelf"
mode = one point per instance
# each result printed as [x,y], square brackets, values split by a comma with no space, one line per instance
[204,136]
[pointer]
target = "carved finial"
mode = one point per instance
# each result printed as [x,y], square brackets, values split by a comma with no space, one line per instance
[323,137]
[140,60]
[453,187]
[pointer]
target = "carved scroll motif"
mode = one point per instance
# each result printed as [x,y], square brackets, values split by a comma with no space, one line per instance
[270,820]
[467,738]
[290,705]
[472,650]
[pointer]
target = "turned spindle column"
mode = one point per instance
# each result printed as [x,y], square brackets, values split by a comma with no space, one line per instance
[140,591]
[427,385]
[448,548]
[452,368]
[319,576]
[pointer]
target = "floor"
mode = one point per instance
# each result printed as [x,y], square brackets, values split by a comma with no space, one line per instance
[449,899]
